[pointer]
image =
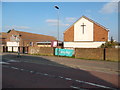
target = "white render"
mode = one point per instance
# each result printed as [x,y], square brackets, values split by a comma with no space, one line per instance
[88,30]
[82,44]
[9,48]
[15,46]
[15,49]
[12,43]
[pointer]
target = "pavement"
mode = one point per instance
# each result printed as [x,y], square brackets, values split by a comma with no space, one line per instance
[57,72]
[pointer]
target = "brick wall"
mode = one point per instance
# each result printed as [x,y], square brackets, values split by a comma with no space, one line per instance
[1,49]
[100,34]
[89,53]
[69,34]
[41,50]
[112,54]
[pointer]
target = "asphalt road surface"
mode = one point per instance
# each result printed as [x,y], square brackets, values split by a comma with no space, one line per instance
[19,73]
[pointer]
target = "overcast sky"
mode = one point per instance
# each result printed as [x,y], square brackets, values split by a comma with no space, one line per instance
[41,17]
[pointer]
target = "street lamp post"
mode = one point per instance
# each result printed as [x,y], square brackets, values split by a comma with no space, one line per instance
[58,25]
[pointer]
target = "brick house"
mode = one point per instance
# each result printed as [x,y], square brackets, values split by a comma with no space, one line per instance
[3,37]
[23,40]
[85,33]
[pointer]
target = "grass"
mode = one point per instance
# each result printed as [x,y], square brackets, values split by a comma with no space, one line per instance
[73,57]
[41,54]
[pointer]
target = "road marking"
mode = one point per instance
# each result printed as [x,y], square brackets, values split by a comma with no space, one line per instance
[60,77]
[93,84]
[21,69]
[14,68]
[31,71]
[68,78]
[45,74]
[4,63]
[78,88]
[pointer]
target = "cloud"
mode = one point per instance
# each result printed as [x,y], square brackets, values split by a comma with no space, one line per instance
[110,7]
[51,20]
[70,19]
[16,27]
[54,22]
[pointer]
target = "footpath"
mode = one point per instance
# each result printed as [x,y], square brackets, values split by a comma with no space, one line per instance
[90,65]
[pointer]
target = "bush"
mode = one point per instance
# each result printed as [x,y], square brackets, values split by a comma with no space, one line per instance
[109,44]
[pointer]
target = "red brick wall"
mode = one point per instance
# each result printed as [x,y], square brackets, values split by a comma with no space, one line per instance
[100,34]
[89,53]
[69,34]
[41,50]
[112,54]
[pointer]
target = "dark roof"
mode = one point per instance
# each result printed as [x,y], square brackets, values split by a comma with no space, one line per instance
[35,37]
[3,35]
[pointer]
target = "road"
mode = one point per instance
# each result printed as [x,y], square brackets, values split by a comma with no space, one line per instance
[23,72]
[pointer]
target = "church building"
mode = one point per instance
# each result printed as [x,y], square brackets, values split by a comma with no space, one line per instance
[85,33]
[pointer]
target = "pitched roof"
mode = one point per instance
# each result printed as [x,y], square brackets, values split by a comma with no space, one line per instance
[35,37]
[88,20]
[3,35]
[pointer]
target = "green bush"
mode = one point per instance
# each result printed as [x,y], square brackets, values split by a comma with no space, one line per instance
[109,44]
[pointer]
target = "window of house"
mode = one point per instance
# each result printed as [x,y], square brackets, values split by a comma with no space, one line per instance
[31,43]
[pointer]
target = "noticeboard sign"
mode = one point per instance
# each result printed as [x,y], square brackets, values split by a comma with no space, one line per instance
[64,52]
[54,43]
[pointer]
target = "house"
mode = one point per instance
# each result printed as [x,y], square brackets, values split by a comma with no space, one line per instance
[50,44]
[23,40]
[3,37]
[85,33]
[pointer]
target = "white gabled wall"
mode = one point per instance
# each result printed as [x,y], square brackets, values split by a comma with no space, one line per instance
[88,30]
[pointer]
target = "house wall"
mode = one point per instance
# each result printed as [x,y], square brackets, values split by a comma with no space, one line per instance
[82,44]
[69,34]
[44,45]
[13,46]
[88,30]
[12,32]
[22,41]
[100,34]
[12,43]
[9,49]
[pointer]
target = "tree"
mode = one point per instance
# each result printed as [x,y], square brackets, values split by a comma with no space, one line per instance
[110,44]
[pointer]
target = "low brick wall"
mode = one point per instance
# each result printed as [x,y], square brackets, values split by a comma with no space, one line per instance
[89,53]
[41,50]
[112,54]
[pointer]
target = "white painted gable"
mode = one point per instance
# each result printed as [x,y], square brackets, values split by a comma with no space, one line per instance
[88,30]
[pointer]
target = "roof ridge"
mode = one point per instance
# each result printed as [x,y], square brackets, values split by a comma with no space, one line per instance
[83,16]
[33,33]
[95,22]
